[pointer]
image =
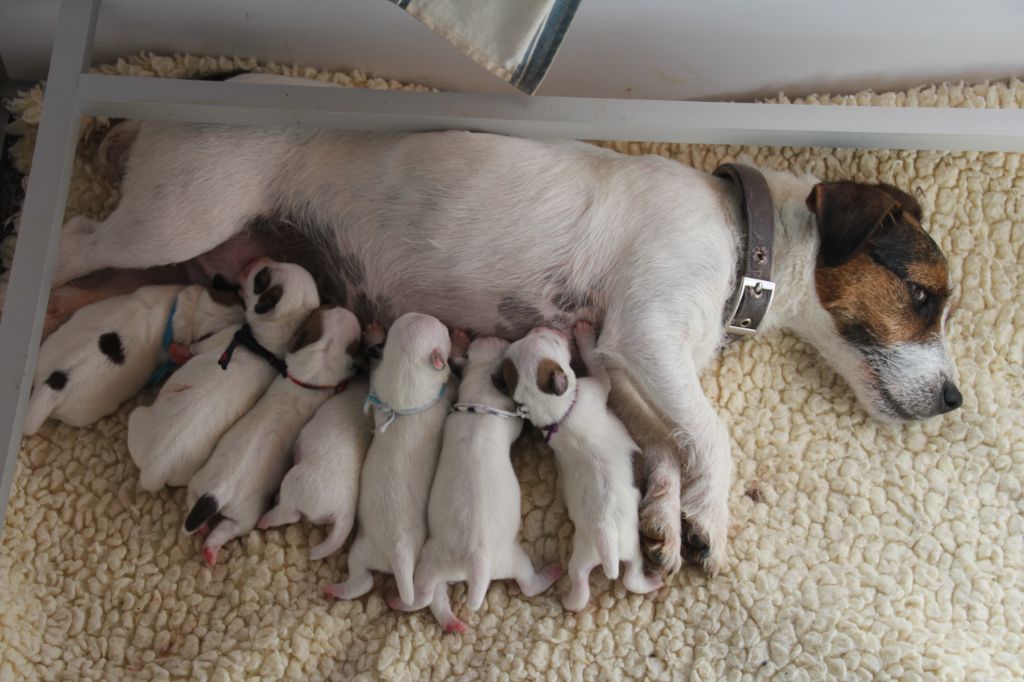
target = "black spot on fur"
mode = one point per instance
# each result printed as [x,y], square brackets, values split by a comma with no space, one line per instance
[268,300]
[205,508]
[261,281]
[502,331]
[57,380]
[111,346]
[362,308]
[520,314]
[571,301]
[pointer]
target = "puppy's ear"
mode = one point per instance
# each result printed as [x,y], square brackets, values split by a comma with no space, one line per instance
[551,378]
[224,293]
[509,377]
[268,300]
[437,359]
[848,213]
[310,331]
[907,202]
[261,281]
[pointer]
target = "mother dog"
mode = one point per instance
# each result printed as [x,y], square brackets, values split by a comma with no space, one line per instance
[498,235]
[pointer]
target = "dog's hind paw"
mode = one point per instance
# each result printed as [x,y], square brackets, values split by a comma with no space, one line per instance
[704,539]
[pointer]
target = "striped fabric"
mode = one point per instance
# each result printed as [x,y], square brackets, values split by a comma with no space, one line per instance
[516,40]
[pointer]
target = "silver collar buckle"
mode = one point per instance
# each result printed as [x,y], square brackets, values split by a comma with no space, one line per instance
[747,316]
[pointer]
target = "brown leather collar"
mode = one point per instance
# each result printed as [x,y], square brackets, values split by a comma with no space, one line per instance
[754,286]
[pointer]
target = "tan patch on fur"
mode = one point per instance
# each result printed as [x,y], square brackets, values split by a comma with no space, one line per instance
[547,371]
[510,375]
[310,331]
[225,298]
[863,294]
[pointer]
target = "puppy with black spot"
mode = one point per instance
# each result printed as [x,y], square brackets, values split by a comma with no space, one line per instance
[170,439]
[474,512]
[108,351]
[323,486]
[593,454]
[409,399]
[238,482]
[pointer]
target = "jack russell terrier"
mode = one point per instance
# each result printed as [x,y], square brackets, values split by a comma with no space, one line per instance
[108,351]
[245,470]
[323,485]
[499,235]
[409,399]
[593,454]
[473,515]
[170,439]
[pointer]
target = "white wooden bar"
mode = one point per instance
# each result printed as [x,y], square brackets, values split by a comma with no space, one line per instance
[69,93]
[41,219]
[563,117]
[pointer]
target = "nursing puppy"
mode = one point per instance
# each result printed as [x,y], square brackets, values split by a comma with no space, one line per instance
[593,453]
[170,439]
[323,485]
[108,351]
[240,478]
[474,513]
[408,396]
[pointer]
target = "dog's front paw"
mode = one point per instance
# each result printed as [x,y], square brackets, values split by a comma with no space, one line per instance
[659,529]
[583,331]
[704,524]
[374,334]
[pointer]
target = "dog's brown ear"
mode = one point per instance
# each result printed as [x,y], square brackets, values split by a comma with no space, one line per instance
[310,331]
[848,213]
[268,300]
[551,378]
[906,201]
[509,377]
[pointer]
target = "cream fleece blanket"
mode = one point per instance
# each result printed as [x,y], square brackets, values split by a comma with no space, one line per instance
[858,550]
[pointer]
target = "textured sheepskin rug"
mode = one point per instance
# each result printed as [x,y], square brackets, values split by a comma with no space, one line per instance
[858,550]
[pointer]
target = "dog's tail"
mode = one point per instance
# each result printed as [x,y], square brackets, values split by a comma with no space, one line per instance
[442,610]
[205,508]
[334,540]
[40,406]
[608,550]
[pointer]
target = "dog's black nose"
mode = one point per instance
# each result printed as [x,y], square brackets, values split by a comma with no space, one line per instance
[951,398]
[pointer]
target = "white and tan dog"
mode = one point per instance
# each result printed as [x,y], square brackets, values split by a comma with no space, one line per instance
[408,395]
[240,478]
[593,453]
[170,439]
[499,235]
[323,485]
[108,351]
[474,511]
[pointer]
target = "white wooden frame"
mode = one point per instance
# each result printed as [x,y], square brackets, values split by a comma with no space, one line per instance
[71,93]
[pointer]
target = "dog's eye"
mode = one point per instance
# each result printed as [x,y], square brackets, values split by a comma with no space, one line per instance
[921,298]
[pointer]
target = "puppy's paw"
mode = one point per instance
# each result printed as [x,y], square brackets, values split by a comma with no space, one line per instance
[583,331]
[210,554]
[659,526]
[454,626]
[460,342]
[374,334]
[704,531]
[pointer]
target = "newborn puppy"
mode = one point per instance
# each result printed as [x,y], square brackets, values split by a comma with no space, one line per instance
[170,439]
[593,454]
[323,485]
[108,351]
[474,501]
[246,468]
[408,397]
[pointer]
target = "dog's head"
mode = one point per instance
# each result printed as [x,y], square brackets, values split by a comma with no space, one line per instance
[414,362]
[537,375]
[273,291]
[883,288]
[324,349]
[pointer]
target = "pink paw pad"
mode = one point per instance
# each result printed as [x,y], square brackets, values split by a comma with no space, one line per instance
[210,555]
[332,592]
[553,571]
[455,625]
